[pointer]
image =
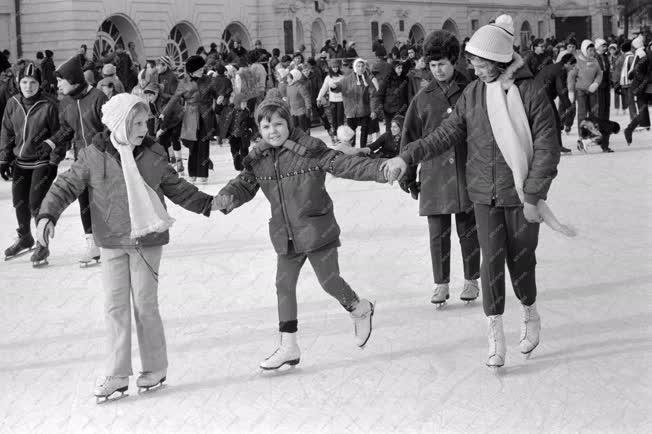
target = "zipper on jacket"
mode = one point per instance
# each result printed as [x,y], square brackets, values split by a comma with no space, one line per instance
[493,172]
[81,122]
[22,147]
[280,192]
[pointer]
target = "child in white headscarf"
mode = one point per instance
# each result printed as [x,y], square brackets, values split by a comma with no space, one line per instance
[127,176]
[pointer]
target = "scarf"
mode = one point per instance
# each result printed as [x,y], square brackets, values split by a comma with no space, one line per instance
[146,210]
[511,130]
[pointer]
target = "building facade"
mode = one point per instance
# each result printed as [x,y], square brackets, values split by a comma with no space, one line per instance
[179,27]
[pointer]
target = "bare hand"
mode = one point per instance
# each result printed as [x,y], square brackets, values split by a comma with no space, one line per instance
[365,151]
[372,115]
[223,202]
[531,213]
[393,169]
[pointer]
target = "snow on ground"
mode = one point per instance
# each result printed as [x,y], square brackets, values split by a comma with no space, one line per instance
[423,369]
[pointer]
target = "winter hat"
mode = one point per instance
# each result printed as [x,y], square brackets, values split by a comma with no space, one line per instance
[89,76]
[166,60]
[106,81]
[638,42]
[441,44]
[599,41]
[108,69]
[399,119]
[358,77]
[296,75]
[49,53]
[586,44]
[613,46]
[494,41]
[71,70]
[30,71]
[194,63]
[274,100]
[220,69]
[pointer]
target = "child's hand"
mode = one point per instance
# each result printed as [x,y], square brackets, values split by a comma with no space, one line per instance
[223,202]
[532,214]
[365,151]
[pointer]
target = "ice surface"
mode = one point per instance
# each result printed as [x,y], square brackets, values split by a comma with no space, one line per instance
[423,369]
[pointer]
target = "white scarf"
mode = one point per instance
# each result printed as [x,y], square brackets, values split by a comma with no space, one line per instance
[511,130]
[146,211]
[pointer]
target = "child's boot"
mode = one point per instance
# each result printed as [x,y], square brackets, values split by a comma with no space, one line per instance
[149,379]
[471,291]
[530,329]
[287,353]
[441,294]
[496,336]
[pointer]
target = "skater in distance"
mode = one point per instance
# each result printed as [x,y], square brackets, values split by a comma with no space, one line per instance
[127,176]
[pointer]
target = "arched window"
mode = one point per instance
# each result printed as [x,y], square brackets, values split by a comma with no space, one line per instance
[526,31]
[113,30]
[182,43]
[388,35]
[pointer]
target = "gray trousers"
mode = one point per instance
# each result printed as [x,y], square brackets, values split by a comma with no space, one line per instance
[324,262]
[129,274]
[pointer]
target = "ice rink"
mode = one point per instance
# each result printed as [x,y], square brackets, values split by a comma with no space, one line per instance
[423,369]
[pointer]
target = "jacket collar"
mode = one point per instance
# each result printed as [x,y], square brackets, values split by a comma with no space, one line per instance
[102,142]
[458,82]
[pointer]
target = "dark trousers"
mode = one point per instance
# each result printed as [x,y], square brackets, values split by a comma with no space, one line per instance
[643,117]
[171,138]
[567,114]
[439,227]
[363,122]
[587,103]
[337,114]
[631,104]
[85,211]
[324,262]
[198,157]
[302,122]
[239,150]
[505,236]
[28,188]
[603,96]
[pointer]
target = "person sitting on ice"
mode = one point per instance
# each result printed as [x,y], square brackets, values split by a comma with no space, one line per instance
[290,167]
[28,117]
[127,176]
[509,129]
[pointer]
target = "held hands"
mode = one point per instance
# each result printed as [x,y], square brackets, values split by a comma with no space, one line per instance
[44,231]
[224,203]
[393,169]
[532,214]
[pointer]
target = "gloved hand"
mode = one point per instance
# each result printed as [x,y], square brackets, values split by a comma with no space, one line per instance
[44,231]
[593,87]
[44,150]
[411,186]
[6,170]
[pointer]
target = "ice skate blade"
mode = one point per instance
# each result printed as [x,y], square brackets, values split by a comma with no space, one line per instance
[19,254]
[103,399]
[84,264]
[40,264]
[151,389]
[371,325]
[291,363]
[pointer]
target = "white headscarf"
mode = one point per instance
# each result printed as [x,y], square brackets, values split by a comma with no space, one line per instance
[146,211]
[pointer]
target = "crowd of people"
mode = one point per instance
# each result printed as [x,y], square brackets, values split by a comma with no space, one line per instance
[441,101]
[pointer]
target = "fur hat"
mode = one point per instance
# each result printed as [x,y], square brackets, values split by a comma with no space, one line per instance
[30,71]
[494,41]
[108,69]
[441,44]
[71,70]
[194,64]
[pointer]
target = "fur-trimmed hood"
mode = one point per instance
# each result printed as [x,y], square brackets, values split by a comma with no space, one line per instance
[514,72]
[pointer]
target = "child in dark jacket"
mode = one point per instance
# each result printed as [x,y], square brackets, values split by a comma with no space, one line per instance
[290,167]
[388,145]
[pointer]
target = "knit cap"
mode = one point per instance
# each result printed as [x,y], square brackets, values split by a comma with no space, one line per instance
[194,63]
[494,41]
[71,70]
[108,69]
[30,71]
[115,112]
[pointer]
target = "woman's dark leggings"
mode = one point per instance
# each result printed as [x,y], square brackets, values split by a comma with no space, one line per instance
[28,188]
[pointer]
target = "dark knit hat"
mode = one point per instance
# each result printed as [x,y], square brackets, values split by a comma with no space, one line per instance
[30,71]
[49,53]
[273,102]
[194,63]
[441,44]
[71,70]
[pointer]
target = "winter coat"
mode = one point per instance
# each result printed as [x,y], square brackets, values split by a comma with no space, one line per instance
[49,80]
[196,97]
[386,146]
[640,75]
[393,94]
[615,67]
[168,84]
[488,178]
[605,66]
[443,178]
[585,72]
[381,70]
[418,79]
[326,87]
[292,177]
[125,71]
[80,118]
[298,98]
[99,169]
[551,79]
[628,63]
[356,97]
[8,88]
[537,61]
[25,126]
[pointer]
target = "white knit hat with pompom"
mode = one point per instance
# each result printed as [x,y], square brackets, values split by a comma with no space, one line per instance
[494,41]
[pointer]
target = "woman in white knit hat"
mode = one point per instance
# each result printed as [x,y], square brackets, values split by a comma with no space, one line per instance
[127,176]
[508,127]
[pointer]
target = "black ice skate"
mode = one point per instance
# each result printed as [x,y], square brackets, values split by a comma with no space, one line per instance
[21,246]
[40,256]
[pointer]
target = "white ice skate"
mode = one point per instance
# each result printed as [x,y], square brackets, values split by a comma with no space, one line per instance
[471,291]
[107,386]
[91,254]
[496,338]
[362,317]
[149,380]
[530,329]
[441,294]
[287,353]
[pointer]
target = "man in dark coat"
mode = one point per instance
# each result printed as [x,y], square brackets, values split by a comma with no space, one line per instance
[442,182]
[552,78]
[124,68]
[603,92]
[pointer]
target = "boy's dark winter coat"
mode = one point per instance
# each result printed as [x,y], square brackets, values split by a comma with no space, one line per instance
[98,168]
[489,179]
[292,178]
[443,181]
